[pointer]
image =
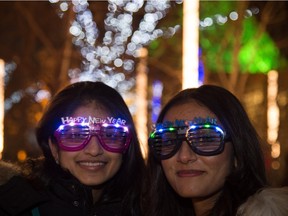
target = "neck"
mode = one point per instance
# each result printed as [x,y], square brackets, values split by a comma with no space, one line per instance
[96,194]
[203,206]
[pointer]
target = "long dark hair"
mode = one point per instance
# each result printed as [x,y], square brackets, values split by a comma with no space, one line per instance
[126,185]
[246,177]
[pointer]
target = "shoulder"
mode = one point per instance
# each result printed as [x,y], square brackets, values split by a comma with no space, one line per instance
[7,171]
[266,201]
[274,195]
[270,194]
[17,196]
[32,168]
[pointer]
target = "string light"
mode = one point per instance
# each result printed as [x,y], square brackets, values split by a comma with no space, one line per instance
[103,60]
[221,19]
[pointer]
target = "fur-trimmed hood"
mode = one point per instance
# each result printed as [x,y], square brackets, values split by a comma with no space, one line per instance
[7,171]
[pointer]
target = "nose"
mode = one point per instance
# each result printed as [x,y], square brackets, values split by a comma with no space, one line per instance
[185,154]
[94,147]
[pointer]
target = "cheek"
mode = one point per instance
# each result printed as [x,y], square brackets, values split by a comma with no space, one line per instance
[115,160]
[166,164]
[66,158]
[168,167]
[219,168]
[221,164]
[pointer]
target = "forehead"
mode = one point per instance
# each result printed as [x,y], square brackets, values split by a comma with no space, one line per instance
[91,109]
[188,111]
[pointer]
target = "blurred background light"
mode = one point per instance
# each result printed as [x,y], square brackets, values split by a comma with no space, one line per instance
[157,90]
[2,74]
[273,116]
[190,44]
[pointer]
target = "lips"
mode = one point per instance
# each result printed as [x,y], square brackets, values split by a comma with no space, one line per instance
[92,165]
[189,173]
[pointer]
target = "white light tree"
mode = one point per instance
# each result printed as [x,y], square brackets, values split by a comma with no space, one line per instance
[112,58]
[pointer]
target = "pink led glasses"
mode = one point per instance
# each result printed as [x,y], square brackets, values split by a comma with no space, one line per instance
[75,136]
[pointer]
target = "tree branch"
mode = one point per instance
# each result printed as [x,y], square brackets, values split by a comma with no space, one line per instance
[35,27]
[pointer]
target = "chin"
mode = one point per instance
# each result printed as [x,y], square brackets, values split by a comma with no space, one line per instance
[185,193]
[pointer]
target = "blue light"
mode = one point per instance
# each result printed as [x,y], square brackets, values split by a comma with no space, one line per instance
[200,69]
[156,99]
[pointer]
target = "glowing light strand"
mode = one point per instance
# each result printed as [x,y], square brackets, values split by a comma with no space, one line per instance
[104,60]
[221,19]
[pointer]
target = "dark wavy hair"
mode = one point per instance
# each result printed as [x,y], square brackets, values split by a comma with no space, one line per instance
[126,184]
[245,179]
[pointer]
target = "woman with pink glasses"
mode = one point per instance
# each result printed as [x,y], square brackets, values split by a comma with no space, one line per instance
[92,162]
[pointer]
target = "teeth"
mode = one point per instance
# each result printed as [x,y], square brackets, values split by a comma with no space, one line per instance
[92,163]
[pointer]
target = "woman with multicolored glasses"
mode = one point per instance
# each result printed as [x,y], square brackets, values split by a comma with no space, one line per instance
[92,160]
[205,156]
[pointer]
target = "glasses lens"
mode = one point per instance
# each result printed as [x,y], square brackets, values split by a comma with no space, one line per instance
[73,136]
[206,141]
[165,143]
[114,137]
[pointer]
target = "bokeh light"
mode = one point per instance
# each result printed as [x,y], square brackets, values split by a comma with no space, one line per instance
[103,60]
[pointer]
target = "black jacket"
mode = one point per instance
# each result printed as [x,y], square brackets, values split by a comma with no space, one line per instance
[60,197]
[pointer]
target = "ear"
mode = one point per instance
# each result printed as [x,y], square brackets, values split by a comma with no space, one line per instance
[54,150]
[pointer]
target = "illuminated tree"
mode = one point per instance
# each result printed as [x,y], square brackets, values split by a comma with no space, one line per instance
[234,45]
[128,26]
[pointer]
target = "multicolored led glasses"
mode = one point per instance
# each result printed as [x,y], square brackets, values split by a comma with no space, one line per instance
[203,139]
[75,136]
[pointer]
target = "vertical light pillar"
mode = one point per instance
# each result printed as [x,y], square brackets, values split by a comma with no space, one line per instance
[2,74]
[157,89]
[273,117]
[141,101]
[190,43]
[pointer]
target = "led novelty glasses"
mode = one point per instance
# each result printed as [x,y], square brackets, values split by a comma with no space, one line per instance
[203,139]
[75,136]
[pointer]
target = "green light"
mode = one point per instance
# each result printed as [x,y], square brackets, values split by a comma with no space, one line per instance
[257,52]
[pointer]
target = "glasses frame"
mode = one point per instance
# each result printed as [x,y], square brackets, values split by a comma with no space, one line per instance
[179,140]
[92,132]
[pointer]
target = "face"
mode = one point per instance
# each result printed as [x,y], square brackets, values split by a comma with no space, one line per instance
[92,165]
[192,175]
